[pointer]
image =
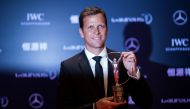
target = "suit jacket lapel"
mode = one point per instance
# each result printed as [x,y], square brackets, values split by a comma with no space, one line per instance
[111,80]
[85,66]
[86,69]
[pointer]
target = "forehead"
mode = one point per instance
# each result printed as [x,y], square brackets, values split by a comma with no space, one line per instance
[98,18]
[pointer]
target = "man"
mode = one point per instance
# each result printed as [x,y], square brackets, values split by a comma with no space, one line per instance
[78,87]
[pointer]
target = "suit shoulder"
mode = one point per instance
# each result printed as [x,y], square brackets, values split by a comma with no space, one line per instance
[72,59]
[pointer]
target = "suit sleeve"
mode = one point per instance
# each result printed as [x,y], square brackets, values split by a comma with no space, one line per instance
[139,89]
[140,93]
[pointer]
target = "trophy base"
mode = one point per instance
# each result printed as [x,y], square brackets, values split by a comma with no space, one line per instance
[118,94]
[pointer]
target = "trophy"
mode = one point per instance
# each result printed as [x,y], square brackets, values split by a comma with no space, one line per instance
[118,94]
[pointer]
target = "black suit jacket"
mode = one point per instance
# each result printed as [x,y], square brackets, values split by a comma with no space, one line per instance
[76,85]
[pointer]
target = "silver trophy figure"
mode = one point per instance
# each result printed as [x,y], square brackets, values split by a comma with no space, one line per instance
[118,94]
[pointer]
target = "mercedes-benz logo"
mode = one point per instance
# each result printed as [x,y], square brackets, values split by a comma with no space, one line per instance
[132,44]
[4,101]
[180,17]
[36,100]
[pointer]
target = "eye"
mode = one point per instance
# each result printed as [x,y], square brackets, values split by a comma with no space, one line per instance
[101,26]
[90,27]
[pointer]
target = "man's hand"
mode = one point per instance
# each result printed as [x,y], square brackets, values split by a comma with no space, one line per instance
[107,103]
[130,62]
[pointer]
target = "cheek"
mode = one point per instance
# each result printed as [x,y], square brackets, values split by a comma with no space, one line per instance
[87,33]
[87,37]
[105,36]
[104,33]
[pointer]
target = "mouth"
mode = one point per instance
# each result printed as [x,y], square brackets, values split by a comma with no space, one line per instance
[97,38]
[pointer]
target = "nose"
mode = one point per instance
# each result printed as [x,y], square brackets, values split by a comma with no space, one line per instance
[96,30]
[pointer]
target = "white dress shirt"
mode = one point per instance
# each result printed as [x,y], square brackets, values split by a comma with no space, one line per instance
[103,62]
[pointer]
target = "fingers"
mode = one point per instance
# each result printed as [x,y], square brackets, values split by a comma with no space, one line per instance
[107,103]
[127,53]
[129,59]
[129,56]
[109,98]
[133,69]
[130,62]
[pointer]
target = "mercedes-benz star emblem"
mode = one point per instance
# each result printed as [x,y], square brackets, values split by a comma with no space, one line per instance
[36,101]
[180,17]
[132,44]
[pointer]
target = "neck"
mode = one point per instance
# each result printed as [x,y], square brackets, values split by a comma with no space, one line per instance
[95,51]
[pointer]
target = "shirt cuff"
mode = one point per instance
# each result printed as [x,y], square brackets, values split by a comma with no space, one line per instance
[94,105]
[137,76]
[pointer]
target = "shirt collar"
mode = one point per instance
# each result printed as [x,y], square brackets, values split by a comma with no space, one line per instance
[91,55]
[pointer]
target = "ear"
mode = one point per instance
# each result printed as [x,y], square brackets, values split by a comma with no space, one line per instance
[81,32]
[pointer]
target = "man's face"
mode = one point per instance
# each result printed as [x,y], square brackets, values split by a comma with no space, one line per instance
[94,31]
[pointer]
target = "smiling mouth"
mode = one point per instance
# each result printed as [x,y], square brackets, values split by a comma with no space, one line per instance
[97,38]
